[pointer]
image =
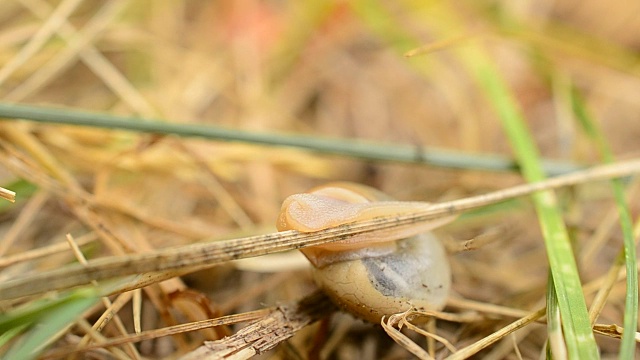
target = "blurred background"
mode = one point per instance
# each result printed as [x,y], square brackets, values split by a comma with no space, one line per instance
[333,69]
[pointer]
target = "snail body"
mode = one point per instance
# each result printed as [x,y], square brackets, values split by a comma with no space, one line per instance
[370,276]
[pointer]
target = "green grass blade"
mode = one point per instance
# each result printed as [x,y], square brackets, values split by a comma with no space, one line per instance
[31,313]
[6,336]
[28,314]
[628,345]
[45,320]
[578,334]
[575,320]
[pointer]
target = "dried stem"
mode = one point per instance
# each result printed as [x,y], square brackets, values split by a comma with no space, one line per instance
[213,253]
[266,333]
[7,194]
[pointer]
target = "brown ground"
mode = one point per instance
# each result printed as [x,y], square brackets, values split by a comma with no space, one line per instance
[326,69]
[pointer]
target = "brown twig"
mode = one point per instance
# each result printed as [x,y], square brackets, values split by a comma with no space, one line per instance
[167,331]
[266,333]
[213,253]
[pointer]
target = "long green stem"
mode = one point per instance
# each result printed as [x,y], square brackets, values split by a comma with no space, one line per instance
[628,346]
[346,147]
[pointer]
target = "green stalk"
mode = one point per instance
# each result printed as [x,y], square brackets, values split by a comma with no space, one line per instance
[628,345]
[367,150]
[575,320]
[43,320]
[573,309]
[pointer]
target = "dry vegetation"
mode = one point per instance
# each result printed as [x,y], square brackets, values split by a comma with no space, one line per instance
[326,69]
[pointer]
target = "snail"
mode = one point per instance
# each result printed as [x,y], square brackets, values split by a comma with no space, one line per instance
[370,276]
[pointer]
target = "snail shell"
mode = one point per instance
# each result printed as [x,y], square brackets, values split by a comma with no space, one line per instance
[370,276]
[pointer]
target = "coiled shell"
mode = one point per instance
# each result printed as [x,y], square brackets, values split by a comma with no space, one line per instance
[370,277]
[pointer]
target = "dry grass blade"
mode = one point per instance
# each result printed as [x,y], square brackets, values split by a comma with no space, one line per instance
[61,13]
[112,307]
[493,309]
[7,194]
[168,331]
[213,253]
[143,128]
[95,60]
[613,331]
[483,343]
[44,251]
[265,334]
[66,58]
[25,220]
[400,338]
[405,322]
[440,45]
